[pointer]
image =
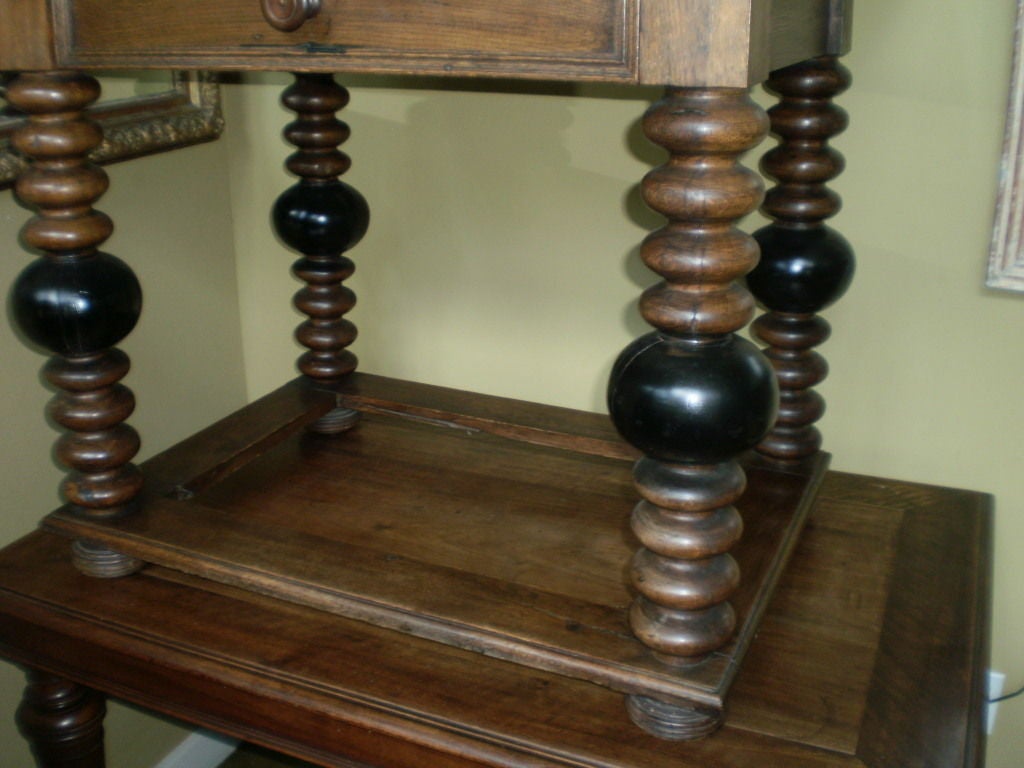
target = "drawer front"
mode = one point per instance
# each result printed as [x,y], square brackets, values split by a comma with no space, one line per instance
[528,38]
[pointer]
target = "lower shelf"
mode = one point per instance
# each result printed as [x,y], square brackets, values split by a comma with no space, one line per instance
[490,525]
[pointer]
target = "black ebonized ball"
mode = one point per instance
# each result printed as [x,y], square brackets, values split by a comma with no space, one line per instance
[692,403]
[321,217]
[77,306]
[801,270]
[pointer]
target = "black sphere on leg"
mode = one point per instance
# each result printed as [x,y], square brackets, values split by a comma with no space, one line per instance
[77,306]
[321,218]
[802,269]
[696,403]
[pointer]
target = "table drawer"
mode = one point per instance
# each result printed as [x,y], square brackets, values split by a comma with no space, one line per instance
[581,38]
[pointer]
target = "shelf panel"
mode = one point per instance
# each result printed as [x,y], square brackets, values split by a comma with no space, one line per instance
[438,517]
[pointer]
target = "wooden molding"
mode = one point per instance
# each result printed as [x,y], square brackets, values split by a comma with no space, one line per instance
[1006,256]
[187,113]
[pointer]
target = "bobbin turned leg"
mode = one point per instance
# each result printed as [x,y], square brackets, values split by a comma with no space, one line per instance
[322,217]
[692,395]
[805,265]
[77,302]
[63,722]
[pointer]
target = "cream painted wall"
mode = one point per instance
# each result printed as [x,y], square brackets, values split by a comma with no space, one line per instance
[502,257]
[171,212]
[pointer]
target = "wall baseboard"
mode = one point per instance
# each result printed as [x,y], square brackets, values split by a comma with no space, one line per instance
[201,749]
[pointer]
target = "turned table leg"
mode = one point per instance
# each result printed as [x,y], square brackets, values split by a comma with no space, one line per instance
[805,265]
[692,395]
[322,217]
[63,722]
[77,302]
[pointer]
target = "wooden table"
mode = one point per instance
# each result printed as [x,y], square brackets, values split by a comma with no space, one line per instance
[872,653]
[482,544]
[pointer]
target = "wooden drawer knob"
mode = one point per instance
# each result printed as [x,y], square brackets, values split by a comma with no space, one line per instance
[289,15]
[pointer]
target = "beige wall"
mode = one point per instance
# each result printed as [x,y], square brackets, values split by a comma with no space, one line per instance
[501,257]
[171,213]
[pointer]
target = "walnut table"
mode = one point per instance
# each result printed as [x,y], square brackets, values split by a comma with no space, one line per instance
[457,578]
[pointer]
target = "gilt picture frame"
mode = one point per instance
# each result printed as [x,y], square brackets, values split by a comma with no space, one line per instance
[187,112]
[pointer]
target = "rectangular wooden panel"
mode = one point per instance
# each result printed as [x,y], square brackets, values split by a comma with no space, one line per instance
[674,42]
[444,521]
[551,38]
[735,43]
[26,40]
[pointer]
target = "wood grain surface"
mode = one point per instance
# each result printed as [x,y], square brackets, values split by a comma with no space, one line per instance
[435,527]
[729,43]
[872,653]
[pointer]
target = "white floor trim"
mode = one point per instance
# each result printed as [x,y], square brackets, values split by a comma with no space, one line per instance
[202,749]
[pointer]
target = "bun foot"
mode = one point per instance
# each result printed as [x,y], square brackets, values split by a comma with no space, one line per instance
[335,422]
[95,559]
[672,721]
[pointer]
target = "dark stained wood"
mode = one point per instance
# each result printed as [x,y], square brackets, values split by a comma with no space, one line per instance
[235,440]
[321,217]
[731,43]
[580,431]
[27,35]
[704,42]
[507,541]
[805,265]
[702,190]
[77,302]
[799,27]
[735,43]
[223,447]
[587,38]
[831,680]
[63,722]
[510,548]
[911,677]
[691,395]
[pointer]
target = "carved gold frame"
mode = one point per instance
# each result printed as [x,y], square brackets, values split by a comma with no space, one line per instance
[1006,256]
[187,113]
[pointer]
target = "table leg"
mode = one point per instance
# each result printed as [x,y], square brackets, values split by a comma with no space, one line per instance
[692,395]
[63,722]
[805,265]
[322,217]
[77,302]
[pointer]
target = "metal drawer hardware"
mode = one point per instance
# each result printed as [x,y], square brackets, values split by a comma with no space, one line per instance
[289,15]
